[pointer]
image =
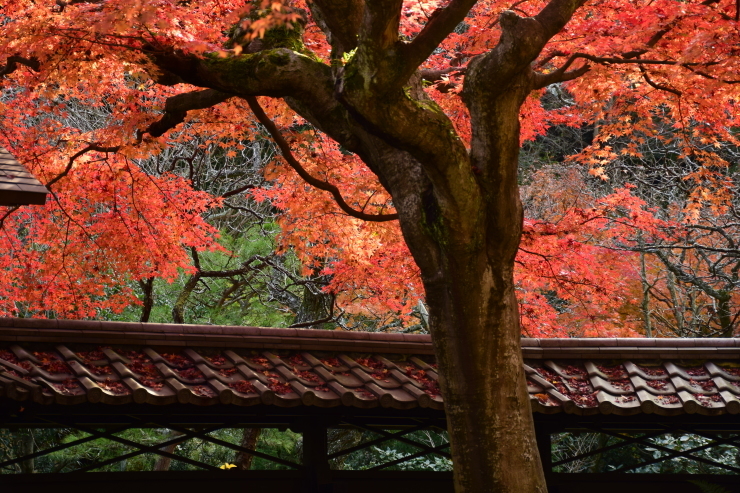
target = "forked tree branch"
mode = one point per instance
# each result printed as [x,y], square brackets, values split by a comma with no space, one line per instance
[305,175]
[73,158]
[655,85]
[560,75]
[11,64]
[441,23]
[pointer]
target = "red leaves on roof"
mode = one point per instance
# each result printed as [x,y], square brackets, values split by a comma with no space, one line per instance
[653,371]
[669,399]
[578,390]
[152,383]
[274,383]
[279,387]
[365,393]
[88,357]
[192,373]
[431,387]
[331,362]
[178,360]
[657,384]
[308,376]
[204,391]
[51,363]
[622,384]
[69,387]
[616,372]
[297,360]
[217,360]
[142,364]
[706,400]
[381,375]
[574,370]
[115,387]
[706,385]
[100,369]
[8,356]
[259,360]
[243,386]
[546,400]
[698,371]
[227,372]
[371,363]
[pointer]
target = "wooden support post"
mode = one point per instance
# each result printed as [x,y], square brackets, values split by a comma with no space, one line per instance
[315,456]
[544,445]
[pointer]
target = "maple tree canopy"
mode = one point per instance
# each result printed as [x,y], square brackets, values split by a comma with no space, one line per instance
[385,110]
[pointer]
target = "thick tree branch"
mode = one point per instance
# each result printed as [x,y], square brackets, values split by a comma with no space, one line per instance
[379,30]
[342,19]
[560,75]
[556,15]
[435,75]
[314,182]
[441,23]
[62,4]
[277,72]
[177,107]
[11,64]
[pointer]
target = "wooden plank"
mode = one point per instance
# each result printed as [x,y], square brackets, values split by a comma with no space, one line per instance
[17,185]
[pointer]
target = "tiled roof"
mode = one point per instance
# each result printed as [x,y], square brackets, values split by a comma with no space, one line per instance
[17,185]
[72,362]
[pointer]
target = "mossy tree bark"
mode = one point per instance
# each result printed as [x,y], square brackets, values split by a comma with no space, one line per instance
[459,208]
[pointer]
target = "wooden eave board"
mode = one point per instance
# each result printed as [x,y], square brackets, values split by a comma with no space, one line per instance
[17,185]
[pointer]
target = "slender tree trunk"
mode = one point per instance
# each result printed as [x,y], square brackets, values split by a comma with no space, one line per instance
[178,309]
[250,437]
[163,463]
[315,310]
[725,316]
[26,448]
[645,297]
[147,286]
[678,308]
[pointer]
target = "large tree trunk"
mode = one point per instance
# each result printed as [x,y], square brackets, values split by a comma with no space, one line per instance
[458,208]
[475,318]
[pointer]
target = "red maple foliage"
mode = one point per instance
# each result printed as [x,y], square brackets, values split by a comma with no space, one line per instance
[132,226]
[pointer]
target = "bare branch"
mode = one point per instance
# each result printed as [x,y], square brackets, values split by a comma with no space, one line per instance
[314,182]
[655,85]
[70,163]
[560,75]
[435,75]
